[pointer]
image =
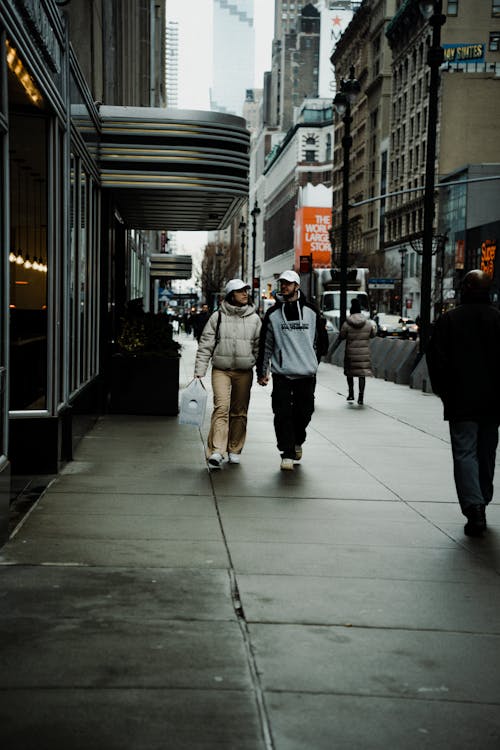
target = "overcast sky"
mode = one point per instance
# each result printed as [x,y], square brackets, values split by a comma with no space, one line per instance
[195,68]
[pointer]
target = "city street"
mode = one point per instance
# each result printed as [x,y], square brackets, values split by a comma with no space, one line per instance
[148,604]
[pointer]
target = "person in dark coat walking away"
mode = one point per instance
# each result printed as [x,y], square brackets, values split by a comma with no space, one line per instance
[292,341]
[357,332]
[199,321]
[463,359]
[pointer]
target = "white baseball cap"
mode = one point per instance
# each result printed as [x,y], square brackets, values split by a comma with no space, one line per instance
[290,276]
[235,285]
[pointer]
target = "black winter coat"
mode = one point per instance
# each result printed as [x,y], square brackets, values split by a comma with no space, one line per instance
[463,359]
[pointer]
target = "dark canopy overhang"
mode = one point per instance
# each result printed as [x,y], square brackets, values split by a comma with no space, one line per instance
[174,169]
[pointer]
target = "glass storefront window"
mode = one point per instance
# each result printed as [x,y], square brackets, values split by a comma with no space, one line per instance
[83,275]
[28,261]
[84,251]
[73,338]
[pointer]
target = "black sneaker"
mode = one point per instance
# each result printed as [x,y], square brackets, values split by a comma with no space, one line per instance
[476,520]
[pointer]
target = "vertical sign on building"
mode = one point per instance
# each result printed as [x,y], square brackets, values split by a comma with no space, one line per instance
[488,255]
[334,22]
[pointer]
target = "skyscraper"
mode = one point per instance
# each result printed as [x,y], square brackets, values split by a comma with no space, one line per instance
[233,54]
[295,63]
[172,63]
[286,13]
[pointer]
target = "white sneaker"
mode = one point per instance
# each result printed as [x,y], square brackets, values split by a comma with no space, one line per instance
[286,464]
[298,452]
[234,458]
[215,461]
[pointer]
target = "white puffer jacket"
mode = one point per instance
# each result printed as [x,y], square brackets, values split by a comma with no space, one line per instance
[237,340]
[357,331]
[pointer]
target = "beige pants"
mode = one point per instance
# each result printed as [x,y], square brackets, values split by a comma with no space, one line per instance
[228,427]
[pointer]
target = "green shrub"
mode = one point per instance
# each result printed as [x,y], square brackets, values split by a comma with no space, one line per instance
[147,333]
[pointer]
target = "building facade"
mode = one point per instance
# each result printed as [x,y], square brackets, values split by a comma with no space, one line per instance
[80,182]
[286,13]
[469,108]
[295,67]
[120,49]
[302,158]
[387,42]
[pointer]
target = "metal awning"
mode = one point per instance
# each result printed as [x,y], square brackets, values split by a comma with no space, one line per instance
[174,169]
[170,266]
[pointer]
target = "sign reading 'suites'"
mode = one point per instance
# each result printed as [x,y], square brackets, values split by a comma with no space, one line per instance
[312,227]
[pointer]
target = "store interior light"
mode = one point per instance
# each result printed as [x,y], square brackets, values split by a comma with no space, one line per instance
[17,67]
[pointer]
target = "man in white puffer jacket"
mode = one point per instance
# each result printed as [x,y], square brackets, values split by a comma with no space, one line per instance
[231,340]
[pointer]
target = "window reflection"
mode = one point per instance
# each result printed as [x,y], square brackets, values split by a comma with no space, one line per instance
[28,262]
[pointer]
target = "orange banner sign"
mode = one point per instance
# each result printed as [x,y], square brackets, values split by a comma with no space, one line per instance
[312,238]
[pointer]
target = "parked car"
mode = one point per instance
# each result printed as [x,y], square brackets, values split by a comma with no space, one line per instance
[388,325]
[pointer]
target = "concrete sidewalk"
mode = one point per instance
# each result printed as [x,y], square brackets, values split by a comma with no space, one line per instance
[147,604]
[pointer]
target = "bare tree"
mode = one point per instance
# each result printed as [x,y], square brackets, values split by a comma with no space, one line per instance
[219,264]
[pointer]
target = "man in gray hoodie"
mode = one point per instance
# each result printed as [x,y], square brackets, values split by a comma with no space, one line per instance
[293,339]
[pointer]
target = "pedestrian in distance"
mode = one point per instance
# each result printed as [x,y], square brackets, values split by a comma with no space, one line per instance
[187,321]
[357,332]
[463,358]
[199,321]
[292,341]
[230,339]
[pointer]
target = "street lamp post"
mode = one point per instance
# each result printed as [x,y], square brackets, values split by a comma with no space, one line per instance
[254,213]
[432,11]
[349,89]
[403,251]
[242,227]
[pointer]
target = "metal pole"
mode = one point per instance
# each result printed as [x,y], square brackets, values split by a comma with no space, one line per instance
[254,242]
[254,213]
[243,256]
[403,253]
[242,230]
[441,294]
[344,234]
[434,60]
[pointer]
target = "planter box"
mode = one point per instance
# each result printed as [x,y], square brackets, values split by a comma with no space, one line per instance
[147,384]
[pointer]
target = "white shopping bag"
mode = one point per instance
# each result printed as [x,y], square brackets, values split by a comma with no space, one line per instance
[193,403]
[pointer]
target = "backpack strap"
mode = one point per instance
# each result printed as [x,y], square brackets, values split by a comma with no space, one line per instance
[217,329]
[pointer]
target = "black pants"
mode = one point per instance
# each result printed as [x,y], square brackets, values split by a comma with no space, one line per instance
[293,407]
